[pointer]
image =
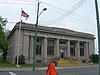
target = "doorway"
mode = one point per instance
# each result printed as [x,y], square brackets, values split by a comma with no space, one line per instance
[62,52]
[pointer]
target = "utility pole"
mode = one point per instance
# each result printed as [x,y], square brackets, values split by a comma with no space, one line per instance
[35,38]
[98,29]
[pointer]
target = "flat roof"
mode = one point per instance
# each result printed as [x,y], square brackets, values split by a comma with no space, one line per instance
[54,30]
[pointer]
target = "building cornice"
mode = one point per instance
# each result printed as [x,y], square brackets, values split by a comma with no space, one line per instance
[53,30]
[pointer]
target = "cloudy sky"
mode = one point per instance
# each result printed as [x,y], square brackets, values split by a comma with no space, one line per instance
[77,15]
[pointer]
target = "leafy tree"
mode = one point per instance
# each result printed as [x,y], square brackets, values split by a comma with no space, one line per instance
[3,37]
[7,31]
[94,58]
[3,21]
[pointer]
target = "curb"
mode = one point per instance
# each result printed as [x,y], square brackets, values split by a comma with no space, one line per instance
[40,69]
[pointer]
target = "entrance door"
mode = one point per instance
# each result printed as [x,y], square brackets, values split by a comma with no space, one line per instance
[62,52]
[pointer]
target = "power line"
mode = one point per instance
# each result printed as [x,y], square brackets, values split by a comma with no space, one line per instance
[70,12]
[17,3]
[80,3]
[60,10]
[82,18]
[77,17]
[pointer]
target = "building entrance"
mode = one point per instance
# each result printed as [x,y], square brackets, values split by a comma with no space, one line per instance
[62,52]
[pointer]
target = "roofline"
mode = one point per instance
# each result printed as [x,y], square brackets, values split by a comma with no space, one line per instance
[55,30]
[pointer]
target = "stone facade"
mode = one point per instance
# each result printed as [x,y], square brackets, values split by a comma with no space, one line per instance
[52,42]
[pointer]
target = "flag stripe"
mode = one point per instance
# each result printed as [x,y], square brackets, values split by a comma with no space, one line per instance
[24,14]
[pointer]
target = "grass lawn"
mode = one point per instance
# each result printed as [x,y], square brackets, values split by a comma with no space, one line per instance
[3,63]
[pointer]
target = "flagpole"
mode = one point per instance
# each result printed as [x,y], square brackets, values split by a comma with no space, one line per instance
[19,39]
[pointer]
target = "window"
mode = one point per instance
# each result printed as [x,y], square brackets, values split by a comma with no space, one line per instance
[38,49]
[81,49]
[72,48]
[39,46]
[50,50]
[50,47]
[72,51]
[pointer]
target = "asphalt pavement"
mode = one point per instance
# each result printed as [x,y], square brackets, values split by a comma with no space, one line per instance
[3,69]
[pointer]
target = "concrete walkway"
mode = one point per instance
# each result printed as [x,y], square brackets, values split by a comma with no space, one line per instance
[40,68]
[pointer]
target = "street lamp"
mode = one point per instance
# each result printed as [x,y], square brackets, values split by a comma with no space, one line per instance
[42,11]
[35,38]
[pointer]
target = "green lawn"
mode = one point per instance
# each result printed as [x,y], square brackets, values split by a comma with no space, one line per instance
[3,63]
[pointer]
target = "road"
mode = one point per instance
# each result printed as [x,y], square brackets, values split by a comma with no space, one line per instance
[78,71]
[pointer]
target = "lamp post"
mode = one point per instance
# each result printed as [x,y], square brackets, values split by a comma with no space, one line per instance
[35,38]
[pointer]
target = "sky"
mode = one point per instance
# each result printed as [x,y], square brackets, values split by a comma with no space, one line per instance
[77,15]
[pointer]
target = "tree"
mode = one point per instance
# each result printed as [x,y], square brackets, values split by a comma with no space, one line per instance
[3,37]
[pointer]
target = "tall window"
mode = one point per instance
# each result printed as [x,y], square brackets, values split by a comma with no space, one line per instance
[72,48]
[39,46]
[38,49]
[50,50]
[81,48]
[50,47]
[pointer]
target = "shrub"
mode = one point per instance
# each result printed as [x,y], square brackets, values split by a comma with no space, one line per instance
[83,61]
[94,58]
[55,59]
[21,59]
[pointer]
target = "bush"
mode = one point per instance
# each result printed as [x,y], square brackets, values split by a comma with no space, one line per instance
[21,59]
[83,61]
[55,59]
[94,58]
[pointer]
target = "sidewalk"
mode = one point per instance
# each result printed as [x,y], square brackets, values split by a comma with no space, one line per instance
[41,68]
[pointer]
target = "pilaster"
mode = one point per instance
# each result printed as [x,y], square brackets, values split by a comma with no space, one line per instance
[31,49]
[26,48]
[68,48]
[44,50]
[77,50]
[86,51]
[56,48]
